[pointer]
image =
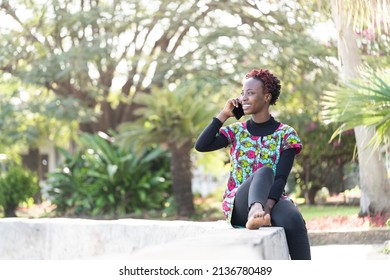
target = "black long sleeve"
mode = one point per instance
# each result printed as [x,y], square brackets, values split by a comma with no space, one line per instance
[283,169]
[210,139]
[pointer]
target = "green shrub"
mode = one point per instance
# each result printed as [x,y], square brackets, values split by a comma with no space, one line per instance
[16,185]
[102,179]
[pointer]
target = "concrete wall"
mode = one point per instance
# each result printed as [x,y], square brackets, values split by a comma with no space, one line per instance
[61,239]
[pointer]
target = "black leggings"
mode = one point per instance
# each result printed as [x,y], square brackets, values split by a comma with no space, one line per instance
[284,213]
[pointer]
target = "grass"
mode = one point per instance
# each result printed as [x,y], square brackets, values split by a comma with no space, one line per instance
[318,211]
[208,209]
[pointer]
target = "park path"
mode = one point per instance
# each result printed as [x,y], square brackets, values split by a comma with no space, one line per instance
[349,252]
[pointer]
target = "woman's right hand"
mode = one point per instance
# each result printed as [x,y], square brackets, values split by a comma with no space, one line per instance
[227,110]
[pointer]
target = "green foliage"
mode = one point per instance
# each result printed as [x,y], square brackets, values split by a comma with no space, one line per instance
[361,102]
[173,119]
[168,117]
[80,49]
[102,179]
[319,155]
[17,185]
[89,46]
[30,116]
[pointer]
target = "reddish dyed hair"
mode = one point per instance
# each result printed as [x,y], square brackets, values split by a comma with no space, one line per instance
[271,84]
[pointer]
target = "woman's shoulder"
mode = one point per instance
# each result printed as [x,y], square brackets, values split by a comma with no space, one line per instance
[286,128]
[233,130]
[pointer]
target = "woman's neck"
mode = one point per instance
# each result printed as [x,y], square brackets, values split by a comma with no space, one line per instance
[261,117]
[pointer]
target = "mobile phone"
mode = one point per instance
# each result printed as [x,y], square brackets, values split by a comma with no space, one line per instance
[238,111]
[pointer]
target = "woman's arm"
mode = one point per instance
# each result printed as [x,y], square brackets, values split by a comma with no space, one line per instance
[282,171]
[210,139]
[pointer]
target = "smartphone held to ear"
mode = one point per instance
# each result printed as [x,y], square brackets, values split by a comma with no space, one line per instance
[238,111]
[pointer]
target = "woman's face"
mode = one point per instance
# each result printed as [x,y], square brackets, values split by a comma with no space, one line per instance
[253,98]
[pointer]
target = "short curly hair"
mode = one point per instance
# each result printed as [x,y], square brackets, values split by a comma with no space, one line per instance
[271,84]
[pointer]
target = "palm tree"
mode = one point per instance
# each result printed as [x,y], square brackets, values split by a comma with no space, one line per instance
[347,15]
[173,119]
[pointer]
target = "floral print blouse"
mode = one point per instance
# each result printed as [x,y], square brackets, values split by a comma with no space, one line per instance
[248,153]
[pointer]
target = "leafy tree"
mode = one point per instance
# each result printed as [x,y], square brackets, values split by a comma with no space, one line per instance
[30,117]
[322,163]
[103,53]
[173,119]
[347,16]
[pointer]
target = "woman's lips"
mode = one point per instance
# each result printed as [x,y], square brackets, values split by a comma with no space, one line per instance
[245,106]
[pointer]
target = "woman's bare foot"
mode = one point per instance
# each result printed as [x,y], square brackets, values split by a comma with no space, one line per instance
[257,217]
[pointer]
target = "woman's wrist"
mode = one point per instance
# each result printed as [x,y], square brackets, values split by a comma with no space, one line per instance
[222,117]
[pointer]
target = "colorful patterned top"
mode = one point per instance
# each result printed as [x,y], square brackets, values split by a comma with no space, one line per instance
[248,153]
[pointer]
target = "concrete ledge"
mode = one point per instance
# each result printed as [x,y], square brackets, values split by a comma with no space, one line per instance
[61,239]
[369,236]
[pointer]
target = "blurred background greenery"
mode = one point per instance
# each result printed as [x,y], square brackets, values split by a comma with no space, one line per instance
[102,101]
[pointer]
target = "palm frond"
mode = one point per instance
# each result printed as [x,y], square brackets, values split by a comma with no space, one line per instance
[361,102]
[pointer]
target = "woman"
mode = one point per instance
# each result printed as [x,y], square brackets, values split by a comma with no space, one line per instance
[262,153]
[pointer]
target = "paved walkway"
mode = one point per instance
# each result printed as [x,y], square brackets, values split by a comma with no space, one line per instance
[351,244]
[349,252]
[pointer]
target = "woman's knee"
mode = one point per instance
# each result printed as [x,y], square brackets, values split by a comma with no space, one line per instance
[295,221]
[265,171]
[286,215]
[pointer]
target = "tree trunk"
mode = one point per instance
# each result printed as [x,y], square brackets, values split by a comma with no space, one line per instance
[110,118]
[182,177]
[374,184]
[32,162]
[9,210]
[311,195]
